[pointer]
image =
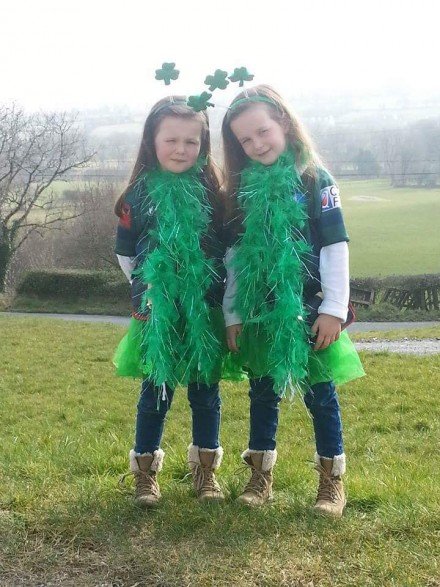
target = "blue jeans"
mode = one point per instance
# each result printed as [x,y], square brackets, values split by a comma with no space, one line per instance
[154,404]
[322,402]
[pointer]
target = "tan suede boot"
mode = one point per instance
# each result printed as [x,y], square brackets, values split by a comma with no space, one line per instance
[145,468]
[259,489]
[203,462]
[330,499]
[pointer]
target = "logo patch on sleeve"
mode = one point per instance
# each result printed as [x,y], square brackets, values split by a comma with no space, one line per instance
[125,218]
[330,198]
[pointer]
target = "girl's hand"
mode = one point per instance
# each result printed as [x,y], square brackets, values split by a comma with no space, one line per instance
[232,332]
[327,329]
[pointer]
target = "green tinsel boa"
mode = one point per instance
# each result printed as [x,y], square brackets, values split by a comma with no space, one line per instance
[177,342]
[269,268]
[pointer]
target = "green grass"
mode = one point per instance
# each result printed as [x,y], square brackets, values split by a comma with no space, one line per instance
[66,427]
[410,333]
[90,305]
[396,234]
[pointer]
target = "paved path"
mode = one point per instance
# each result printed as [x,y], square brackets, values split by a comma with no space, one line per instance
[74,317]
[427,346]
[356,327]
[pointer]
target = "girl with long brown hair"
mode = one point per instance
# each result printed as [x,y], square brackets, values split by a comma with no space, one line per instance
[169,247]
[287,265]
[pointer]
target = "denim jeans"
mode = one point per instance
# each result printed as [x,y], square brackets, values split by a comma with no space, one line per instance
[154,404]
[322,402]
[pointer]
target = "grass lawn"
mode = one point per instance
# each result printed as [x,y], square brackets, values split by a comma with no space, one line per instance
[410,333]
[65,431]
[392,230]
[90,305]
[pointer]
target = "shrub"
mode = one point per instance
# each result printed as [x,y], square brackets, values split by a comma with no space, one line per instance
[73,284]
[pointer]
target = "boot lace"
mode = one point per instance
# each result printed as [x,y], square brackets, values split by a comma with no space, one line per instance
[146,483]
[204,478]
[328,488]
[259,482]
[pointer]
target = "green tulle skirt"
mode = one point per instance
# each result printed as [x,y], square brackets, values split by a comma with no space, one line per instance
[339,362]
[130,360]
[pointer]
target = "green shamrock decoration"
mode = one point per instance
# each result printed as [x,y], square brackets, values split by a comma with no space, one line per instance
[218,80]
[200,102]
[167,73]
[241,75]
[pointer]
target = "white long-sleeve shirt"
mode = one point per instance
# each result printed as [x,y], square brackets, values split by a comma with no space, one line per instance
[127,265]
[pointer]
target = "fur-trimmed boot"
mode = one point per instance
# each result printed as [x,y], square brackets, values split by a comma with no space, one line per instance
[145,468]
[330,499]
[259,489]
[202,463]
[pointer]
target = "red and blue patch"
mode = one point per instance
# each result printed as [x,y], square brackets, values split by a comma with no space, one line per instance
[330,198]
[125,217]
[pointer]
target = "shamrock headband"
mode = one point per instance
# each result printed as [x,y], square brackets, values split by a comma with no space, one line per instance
[247,99]
[219,80]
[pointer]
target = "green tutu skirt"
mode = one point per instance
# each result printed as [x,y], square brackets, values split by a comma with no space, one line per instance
[339,362]
[130,361]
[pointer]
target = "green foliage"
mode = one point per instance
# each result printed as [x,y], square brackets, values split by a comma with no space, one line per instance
[366,163]
[66,427]
[408,282]
[386,312]
[72,284]
[411,282]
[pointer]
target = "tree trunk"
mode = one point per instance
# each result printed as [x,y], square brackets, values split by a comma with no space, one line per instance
[5,256]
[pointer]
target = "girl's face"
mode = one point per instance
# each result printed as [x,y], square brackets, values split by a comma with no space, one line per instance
[262,138]
[177,143]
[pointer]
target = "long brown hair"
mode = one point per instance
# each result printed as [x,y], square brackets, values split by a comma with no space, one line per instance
[173,106]
[235,158]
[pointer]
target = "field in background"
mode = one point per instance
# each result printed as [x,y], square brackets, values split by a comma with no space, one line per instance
[392,230]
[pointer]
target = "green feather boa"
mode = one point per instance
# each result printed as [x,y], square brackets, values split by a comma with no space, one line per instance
[177,341]
[269,267]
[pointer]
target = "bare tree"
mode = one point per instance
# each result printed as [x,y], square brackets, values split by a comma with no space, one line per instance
[35,150]
[87,242]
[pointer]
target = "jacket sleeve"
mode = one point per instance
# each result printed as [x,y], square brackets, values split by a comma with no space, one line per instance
[126,235]
[330,221]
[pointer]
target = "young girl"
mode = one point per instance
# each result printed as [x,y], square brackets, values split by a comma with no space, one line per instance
[289,257]
[168,247]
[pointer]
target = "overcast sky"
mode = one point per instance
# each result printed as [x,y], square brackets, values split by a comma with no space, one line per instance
[82,54]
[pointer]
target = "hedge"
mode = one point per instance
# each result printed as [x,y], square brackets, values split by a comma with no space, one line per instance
[407,282]
[73,284]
